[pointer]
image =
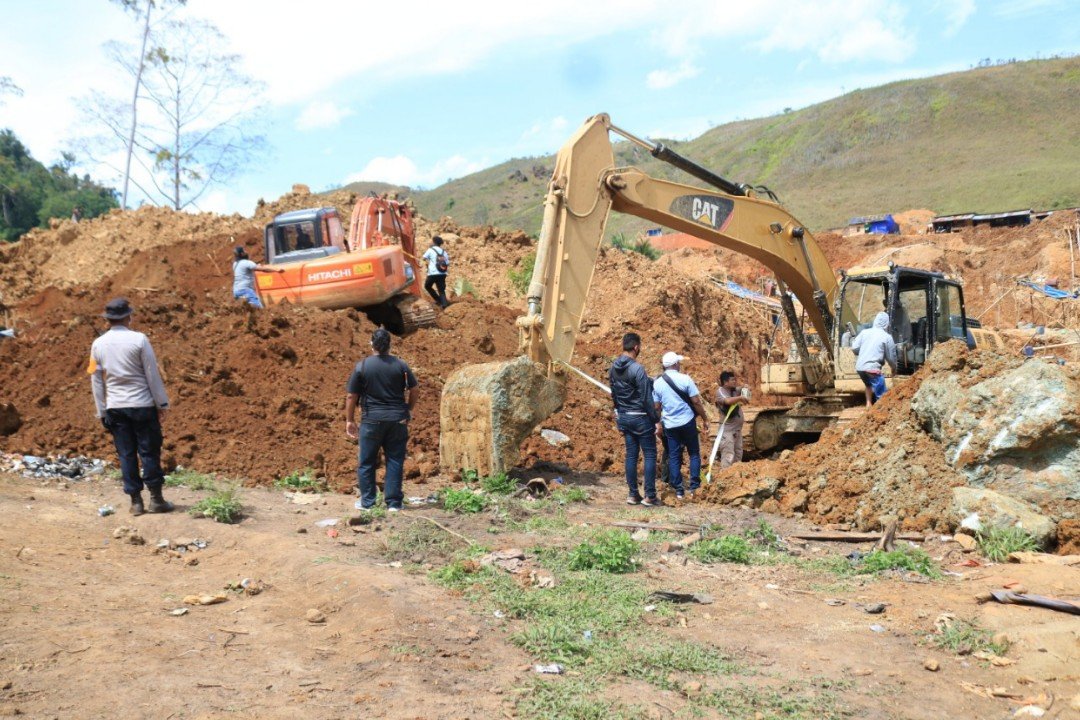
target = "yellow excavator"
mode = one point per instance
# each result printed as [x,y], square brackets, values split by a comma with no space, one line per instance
[487,410]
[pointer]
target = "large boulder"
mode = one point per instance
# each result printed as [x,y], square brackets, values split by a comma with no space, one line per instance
[1017,432]
[978,509]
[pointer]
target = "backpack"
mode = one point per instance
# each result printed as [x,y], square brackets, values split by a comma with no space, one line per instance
[441,263]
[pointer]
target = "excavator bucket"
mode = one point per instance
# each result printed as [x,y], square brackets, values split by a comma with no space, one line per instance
[488,410]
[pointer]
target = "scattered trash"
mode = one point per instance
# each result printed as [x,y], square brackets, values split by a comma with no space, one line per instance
[877,628]
[554,437]
[248,586]
[874,608]
[587,636]
[649,608]
[417,500]
[106,510]
[499,614]
[682,598]
[73,468]
[315,617]
[931,664]
[205,599]
[558,480]
[328,522]
[1029,711]
[331,533]
[552,669]
[178,612]
[771,586]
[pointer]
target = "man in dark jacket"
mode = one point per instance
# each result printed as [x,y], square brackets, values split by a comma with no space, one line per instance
[637,414]
[384,388]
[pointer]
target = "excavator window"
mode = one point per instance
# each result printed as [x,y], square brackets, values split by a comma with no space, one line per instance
[949,317]
[862,301]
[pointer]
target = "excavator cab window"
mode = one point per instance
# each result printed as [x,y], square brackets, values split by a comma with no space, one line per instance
[862,300]
[949,317]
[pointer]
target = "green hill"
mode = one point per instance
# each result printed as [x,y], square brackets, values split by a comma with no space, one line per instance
[995,138]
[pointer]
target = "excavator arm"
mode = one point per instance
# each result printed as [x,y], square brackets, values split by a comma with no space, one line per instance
[586,187]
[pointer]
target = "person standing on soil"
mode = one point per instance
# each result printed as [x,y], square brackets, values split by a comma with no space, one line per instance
[385,389]
[680,401]
[243,287]
[874,347]
[636,416]
[729,401]
[438,262]
[131,403]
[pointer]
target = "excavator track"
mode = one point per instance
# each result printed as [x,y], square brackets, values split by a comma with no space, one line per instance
[415,313]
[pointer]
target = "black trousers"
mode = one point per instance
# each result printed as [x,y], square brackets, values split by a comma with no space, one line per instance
[137,436]
[437,281]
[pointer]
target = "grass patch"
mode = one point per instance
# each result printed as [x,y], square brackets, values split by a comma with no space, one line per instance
[964,637]
[520,278]
[763,535]
[419,541]
[657,662]
[997,542]
[573,699]
[223,506]
[729,548]
[910,559]
[571,495]
[302,480]
[499,484]
[642,246]
[184,477]
[464,500]
[611,551]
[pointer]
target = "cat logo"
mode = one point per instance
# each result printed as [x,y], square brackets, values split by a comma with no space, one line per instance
[337,274]
[707,210]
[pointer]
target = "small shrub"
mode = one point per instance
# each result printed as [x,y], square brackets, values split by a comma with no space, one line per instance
[572,495]
[499,484]
[964,637]
[222,506]
[642,246]
[470,476]
[997,542]
[729,548]
[912,559]
[764,535]
[611,551]
[190,479]
[303,480]
[464,500]
[520,279]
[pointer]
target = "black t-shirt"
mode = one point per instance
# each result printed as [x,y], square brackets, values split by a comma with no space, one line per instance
[381,381]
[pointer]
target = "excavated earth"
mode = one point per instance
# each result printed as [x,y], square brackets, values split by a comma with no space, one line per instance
[259,394]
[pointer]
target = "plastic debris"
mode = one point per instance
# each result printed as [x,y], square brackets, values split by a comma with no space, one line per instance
[106,510]
[877,628]
[551,669]
[328,522]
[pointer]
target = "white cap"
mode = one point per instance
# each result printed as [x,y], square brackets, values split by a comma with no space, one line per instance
[671,359]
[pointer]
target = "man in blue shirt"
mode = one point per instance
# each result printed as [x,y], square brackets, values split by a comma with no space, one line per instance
[681,405]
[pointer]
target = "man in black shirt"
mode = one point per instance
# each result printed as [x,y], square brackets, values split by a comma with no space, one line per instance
[637,414]
[385,389]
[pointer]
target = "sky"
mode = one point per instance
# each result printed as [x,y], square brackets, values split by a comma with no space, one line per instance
[417,92]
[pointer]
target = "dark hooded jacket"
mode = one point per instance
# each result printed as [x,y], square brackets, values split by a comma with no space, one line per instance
[631,387]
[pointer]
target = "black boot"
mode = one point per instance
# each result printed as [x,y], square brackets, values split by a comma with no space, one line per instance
[158,504]
[136,504]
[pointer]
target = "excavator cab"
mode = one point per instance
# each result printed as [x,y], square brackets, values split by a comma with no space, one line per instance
[924,308]
[304,235]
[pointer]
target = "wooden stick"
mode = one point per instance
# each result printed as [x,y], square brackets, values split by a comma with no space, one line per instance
[852,537]
[681,528]
[216,267]
[446,529]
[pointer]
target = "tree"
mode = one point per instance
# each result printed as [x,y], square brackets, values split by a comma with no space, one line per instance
[8,87]
[196,113]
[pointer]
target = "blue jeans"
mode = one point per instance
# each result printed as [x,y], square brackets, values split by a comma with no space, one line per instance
[250,295]
[137,436]
[684,436]
[639,433]
[391,438]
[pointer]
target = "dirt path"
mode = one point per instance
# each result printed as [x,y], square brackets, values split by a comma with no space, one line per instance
[88,631]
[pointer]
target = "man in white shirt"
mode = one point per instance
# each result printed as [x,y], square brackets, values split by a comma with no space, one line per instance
[131,402]
[243,286]
[438,262]
[680,407]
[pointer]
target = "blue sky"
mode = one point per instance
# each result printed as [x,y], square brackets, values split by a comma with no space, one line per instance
[419,92]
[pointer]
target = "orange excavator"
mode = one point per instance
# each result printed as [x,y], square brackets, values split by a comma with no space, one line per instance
[374,268]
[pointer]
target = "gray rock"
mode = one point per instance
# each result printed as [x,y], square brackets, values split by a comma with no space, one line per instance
[979,509]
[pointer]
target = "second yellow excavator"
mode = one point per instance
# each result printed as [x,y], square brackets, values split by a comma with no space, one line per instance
[487,410]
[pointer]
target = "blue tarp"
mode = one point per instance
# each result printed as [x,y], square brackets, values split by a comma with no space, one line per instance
[885,226]
[736,289]
[1050,292]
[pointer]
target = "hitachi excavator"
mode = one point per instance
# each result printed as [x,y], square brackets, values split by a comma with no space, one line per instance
[374,268]
[488,409]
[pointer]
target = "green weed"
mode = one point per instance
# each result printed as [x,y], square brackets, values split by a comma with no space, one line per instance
[520,279]
[764,536]
[573,699]
[913,559]
[464,500]
[420,541]
[729,548]
[302,480]
[964,637]
[997,542]
[469,476]
[641,246]
[571,495]
[191,479]
[223,506]
[499,484]
[611,551]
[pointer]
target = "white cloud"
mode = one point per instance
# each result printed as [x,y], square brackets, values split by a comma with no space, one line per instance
[402,170]
[321,114]
[839,31]
[661,79]
[956,13]
[1013,9]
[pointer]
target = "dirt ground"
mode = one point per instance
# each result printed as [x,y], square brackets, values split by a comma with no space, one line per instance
[89,631]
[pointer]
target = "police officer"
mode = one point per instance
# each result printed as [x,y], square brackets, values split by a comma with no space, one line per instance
[131,402]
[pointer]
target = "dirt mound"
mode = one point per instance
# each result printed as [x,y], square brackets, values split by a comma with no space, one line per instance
[888,462]
[301,198]
[74,254]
